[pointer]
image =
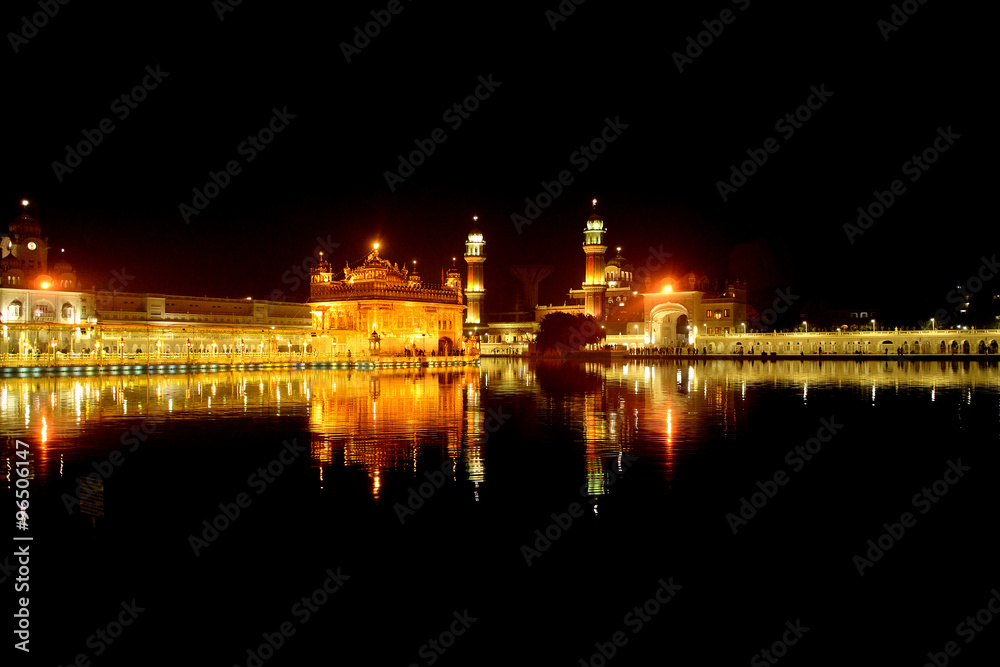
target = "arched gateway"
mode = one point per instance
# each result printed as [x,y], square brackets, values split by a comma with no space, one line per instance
[669,325]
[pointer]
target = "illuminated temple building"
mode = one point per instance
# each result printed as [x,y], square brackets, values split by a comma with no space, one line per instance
[636,307]
[376,306]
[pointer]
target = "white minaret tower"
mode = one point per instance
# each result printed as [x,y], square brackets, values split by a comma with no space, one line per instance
[475,290]
[594,285]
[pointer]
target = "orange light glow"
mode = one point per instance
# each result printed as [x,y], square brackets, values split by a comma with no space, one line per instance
[45,285]
[668,288]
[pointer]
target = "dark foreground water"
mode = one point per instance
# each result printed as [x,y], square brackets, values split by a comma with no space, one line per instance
[514,514]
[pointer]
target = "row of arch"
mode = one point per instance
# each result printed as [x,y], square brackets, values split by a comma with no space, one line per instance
[982,346]
[15,310]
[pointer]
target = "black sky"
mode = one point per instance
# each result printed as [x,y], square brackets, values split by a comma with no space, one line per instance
[324,174]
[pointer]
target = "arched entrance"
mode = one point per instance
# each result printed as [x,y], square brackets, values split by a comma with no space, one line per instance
[669,325]
[446,346]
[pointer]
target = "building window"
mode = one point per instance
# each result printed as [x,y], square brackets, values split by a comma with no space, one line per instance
[14,309]
[67,311]
[725,312]
[708,313]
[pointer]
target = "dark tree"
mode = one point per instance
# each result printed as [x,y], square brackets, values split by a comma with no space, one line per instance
[565,332]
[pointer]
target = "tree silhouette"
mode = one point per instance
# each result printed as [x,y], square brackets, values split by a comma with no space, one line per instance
[566,332]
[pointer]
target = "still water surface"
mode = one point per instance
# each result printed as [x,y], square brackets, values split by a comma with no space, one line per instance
[642,464]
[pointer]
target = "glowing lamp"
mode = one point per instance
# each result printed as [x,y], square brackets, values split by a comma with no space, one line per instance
[24,202]
[668,288]
[45,285]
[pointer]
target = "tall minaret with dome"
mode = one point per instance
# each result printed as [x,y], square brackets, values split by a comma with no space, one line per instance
[475,289]
[595,284]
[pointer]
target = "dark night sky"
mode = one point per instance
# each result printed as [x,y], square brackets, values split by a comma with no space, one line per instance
[324,174]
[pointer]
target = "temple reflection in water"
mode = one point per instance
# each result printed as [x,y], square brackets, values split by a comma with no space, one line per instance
[404,421]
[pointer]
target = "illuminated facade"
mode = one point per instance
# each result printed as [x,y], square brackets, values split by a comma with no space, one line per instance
[45,314]
[29,291]
[636,311]
[475,289]
[376,307]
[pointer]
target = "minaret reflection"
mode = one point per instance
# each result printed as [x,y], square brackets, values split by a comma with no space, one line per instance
[472,442]
[611,423]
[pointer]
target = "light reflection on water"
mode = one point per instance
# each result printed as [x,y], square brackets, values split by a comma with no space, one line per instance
[383,421]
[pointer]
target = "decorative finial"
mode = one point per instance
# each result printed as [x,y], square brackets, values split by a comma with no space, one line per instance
[24,203]
[594,203]
[475,218]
